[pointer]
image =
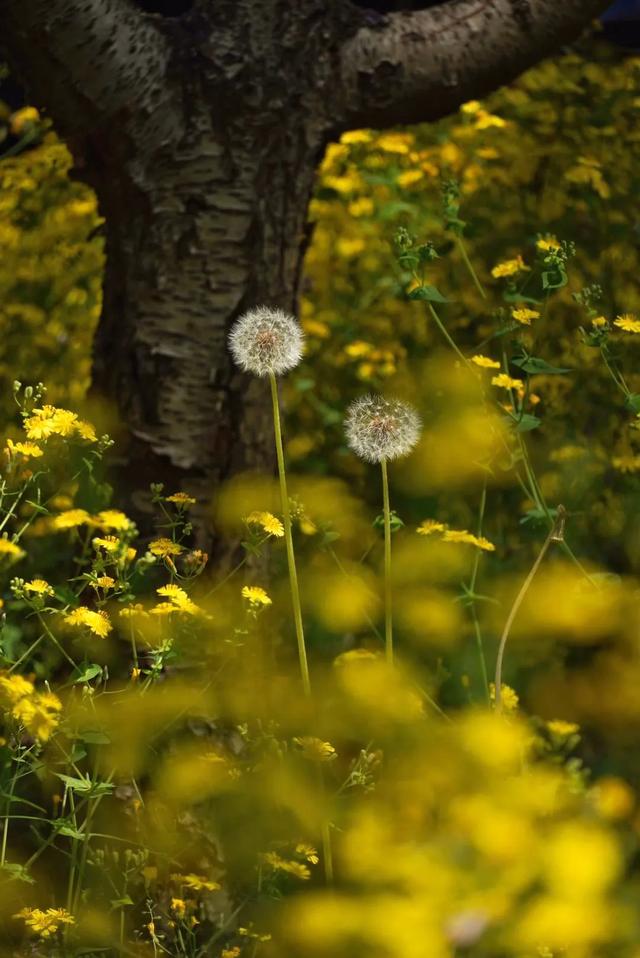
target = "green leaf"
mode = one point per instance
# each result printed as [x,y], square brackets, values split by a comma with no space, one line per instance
[75,784]
[17,872]
[88,673]
[121,902]
[429,293]
[632,402]
[69,832]
[94,737]
[535,366]
[554,278]
[524,423]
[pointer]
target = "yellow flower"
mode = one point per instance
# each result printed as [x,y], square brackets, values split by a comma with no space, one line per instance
[286,865]
[308,852]
[181,499]
[45,923]
[524,315]
[562,729]
[509,267]
[395,142]
[484,362]
[358,349]
[471,107]
[27,449]
[271,525]
[70,519]
[196,882]
[105,582]
[627,322]
[455,535]
[506,382]
[599,322]
[38,587]
[39,714]
[614,799]
[485,120]
[410,177]
[13,688]
[255,595]
[165,547]
[178,907]
[508,697]
[11,551]
[178,598]
[355,136]
[27,116]
[428,526]
[96,622]
[315,749]
[547,243]
[112,519]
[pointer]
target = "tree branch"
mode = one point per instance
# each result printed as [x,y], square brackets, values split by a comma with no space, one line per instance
[414,67]
[87,61]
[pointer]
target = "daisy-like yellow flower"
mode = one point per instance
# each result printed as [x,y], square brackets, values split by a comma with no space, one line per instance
[39,714]
[45,923]
[547,244]
[509,267]
[105,582]
[165,547]
[430,526]
[50,421]
[524,315]
[179,907]
[468,538]
[181,499]
[270,523]
[485,120]
[13,688]
[27,449]
[11,551]
[297,869]
[70,519]
[38,587]
[599,322]
[308,852]
[256,595]
[178,598]
[112,519]
[561,729]
[506,382]
[508,697]
[484,362]
[315,749]
[627,322]
[196,882]
[96,622]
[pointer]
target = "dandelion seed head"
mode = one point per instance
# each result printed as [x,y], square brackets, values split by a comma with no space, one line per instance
[265,340]
[379,428]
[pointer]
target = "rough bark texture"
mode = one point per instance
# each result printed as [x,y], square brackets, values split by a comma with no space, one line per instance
[201,135]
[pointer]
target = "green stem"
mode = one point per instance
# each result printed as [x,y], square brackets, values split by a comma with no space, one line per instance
[388,612]
[555,535]
[291,558]
[467,262]
[445,333]
[472,589]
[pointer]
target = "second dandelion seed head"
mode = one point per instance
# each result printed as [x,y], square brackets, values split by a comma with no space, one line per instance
[379,428]
[265,340]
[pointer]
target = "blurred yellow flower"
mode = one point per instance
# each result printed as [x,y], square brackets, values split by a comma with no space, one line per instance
[165,547]
[524,315]
[96,622]
[255,595]
[509,267]
[506,382]
[269,523]
[485,362]
[627,322]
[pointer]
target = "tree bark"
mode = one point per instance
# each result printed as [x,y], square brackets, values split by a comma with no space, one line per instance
[201,135]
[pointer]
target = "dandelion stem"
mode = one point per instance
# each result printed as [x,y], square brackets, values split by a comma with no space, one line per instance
[556,534]
[388,616]
[291,558]
[467,262]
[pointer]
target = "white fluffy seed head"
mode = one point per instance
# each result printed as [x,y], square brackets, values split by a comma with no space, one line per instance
[379,428]
[266,340]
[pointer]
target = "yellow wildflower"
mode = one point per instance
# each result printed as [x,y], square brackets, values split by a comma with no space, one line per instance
[112,519]
[395,142]
[461,535]
[428,526]
[96,622]
[105,582]
[562,729]
[506,382]
[27,116]
[27,449]
[355,136]
[230,952]
[270,523]
[599,322]
[70,519]
[10,551]
[471,107]
[614,799]
[85,430]
[509,267]
[196,882]
[181,499]
[39,714]
[524,315]
[484,362]
[508,697]
[178,907]
[38,587]
[165,547]
[547,243]
[409,177]
[13,688]
[308,852]
[628,323]
[286,865]
[485,120]
[315,749]
[255,595]
[45,923]
[178,597]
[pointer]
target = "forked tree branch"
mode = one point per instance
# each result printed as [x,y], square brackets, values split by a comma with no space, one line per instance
[414,67]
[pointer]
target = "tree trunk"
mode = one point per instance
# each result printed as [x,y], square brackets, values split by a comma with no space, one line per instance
[213,226]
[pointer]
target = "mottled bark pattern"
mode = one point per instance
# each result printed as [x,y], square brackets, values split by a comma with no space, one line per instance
[201,135]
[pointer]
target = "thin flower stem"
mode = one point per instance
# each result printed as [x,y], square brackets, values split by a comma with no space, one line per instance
[467,262]
[291,558]
[388,611]
[556,534]
[443,329]
[472,590]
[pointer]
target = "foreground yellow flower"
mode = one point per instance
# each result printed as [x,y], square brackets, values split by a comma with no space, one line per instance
[178,598]
[484,362]
[45,923]
[256,595]
[70,519]
[524,315]
[467,538]
[11,551]
[165,547]
[96,622]
[27,449]
[270,523]
[509,267]
[627,322]
[38,587]
[506,382]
